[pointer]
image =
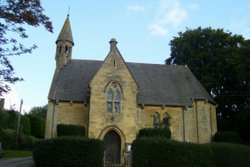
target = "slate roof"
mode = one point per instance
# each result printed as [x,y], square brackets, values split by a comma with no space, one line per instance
[158,84]
[66,33]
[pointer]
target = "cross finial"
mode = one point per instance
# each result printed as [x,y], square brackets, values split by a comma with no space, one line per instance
[68,11]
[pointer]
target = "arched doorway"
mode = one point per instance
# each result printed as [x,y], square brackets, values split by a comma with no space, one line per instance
[112,143]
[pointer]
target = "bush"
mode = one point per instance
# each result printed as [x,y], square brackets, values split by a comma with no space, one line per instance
[155,132]
[230,155]
[227,137]
[8,138]
[242,125]
[37,126]
[69,151]
[3,119]
[27,142]
[25,125]
[70,130]
[161,152]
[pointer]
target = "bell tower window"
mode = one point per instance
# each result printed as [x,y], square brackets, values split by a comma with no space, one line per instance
[113,98]
[66,49]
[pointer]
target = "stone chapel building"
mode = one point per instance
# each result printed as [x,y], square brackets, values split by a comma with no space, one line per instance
[113,99]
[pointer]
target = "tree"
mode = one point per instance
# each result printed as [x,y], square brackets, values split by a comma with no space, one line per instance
[14,15]
[39,111]
[221,62]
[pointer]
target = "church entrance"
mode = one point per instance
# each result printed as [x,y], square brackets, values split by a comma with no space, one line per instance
[112,143]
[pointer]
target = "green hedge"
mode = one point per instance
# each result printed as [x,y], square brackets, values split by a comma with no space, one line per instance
[69,151]
[161,152]
[70,130]
[155,132]
[37,126]
[230,155]
[25,125]
[27,142]
[8,140]
[227,137]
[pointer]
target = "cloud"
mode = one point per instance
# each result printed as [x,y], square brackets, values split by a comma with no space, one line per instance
[169,13]
[137,8]
[193,6]
[157,30]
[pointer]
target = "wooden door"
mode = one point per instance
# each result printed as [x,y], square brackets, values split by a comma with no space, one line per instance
[112,142]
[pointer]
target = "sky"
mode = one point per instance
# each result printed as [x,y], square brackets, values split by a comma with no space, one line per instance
[143,29]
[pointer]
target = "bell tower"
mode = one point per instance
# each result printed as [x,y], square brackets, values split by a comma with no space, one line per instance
[64,45]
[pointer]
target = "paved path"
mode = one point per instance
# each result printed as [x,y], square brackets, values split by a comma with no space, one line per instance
[17,162]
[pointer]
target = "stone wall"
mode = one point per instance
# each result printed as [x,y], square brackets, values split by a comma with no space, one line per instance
[176,122]
[196,123]
[113,70]
[65,113]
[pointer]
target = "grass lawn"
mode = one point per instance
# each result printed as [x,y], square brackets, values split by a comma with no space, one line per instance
[16,154]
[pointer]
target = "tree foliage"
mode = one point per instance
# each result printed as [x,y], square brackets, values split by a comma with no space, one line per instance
[40,111]
[221,62]
[14,16]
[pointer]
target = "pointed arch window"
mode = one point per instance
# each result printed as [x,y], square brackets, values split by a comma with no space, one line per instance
[165,121]
[156,120]
[113,98]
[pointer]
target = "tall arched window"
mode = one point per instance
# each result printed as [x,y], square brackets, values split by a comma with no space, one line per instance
[165,121]
[156,120]
[113,97]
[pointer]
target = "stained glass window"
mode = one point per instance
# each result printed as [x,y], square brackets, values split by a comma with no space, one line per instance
[110,95]
[113,97]
[117,96]
[109,107]
[165,121]
[156,120]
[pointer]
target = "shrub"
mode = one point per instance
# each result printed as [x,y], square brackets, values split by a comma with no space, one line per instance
[227,137]
[161,152]
[69,151]
[155,132]
[242,125]
[70,130]
[8,138]
[230,155]
[27,142]
[25,125]
[3,119]
[37,126]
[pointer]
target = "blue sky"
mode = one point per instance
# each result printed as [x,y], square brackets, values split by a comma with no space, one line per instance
[143,30]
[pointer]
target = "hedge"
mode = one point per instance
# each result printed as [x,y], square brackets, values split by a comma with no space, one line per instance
[227,137]
[37,126]
[8,140]
[70,130]
[69,151]
[230,155]
[155,132]
[25,125]
[161,152]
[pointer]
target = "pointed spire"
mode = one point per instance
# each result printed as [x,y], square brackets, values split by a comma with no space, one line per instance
[66,34]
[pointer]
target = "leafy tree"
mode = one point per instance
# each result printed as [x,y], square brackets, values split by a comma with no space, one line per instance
[37,126]
[221,62]
[14,16]
[39,111]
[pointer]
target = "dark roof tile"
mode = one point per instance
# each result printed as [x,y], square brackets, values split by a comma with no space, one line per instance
[158,84]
